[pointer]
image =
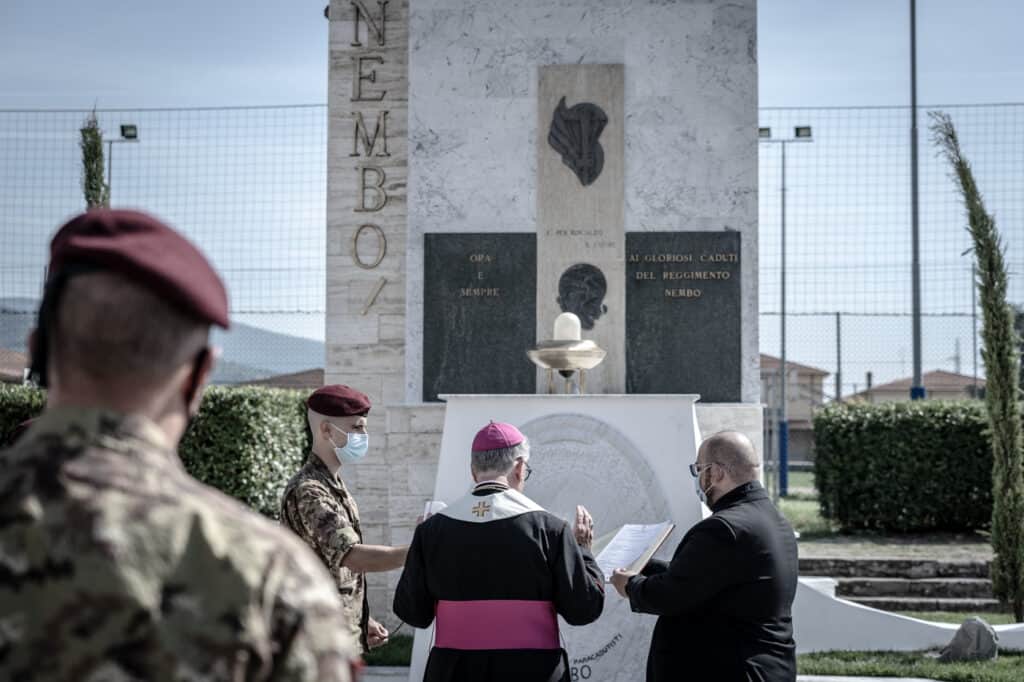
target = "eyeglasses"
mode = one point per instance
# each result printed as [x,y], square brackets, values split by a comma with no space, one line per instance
[695,471]
[528,470]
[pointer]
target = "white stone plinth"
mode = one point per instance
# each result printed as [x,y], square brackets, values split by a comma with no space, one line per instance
[623,457]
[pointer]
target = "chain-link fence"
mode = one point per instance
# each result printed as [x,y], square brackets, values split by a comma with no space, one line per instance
[848,252]
[248,185]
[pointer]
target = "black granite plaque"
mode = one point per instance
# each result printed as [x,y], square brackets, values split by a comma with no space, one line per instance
[683,327]
[479,313]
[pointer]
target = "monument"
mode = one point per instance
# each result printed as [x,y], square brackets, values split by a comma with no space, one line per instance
[494,165]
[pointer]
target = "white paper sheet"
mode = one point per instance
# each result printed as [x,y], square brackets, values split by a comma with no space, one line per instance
[628,545]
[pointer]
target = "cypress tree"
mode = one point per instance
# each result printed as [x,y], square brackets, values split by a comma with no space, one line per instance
[97,191]
[1002,392]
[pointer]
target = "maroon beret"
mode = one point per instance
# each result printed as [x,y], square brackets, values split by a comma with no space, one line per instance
[496,436]
[338,400]
[147,252]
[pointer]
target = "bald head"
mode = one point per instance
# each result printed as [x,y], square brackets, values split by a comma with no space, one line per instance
[734,452]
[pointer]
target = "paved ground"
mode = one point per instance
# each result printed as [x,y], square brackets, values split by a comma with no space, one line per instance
[382,674]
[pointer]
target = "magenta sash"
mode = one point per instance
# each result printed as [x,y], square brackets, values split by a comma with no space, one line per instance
[496,624]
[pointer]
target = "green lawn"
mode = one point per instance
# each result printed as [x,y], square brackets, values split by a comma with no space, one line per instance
[805,517]
[800,481]
[1009,667]
[398,651]
[956,617]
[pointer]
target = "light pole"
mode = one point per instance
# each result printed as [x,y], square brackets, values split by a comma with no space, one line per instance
[129,133]
[800,134]
[916,387]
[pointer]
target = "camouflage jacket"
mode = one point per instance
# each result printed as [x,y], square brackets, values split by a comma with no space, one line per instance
[318,507]
[115,564]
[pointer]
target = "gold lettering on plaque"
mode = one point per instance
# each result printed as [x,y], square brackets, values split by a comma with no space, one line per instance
[699,274]
[683,293]
[719,258]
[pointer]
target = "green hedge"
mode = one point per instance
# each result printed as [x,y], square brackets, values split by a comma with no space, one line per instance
[246,441]
[18,403]
[904,467]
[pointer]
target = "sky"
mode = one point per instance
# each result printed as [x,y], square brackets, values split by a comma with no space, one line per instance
[136,54]
[260,52]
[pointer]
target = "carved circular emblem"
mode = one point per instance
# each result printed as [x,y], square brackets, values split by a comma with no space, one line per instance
[582,460]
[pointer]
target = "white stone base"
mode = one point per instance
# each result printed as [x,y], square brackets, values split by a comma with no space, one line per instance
[822,622]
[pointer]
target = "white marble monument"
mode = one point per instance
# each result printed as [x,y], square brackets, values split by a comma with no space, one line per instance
[435,127]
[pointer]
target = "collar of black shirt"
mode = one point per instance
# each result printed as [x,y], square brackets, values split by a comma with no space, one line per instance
[747,492]
[489,488]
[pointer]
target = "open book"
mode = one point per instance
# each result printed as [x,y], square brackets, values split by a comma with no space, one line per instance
[631,547]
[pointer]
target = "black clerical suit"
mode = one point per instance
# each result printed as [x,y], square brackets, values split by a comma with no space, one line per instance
[725,600]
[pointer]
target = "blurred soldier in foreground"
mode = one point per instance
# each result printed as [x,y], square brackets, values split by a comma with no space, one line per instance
[318,506]
[496,570]
[115,563]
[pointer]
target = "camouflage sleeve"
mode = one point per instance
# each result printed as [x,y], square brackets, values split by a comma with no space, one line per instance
[311,635]
[326,525]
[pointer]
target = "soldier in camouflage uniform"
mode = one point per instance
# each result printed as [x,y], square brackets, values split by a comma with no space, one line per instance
[318,506]
[115,564]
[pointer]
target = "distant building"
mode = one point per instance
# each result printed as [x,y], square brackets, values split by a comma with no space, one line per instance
[938,385]
[12,366]
[308,378]
[804,393]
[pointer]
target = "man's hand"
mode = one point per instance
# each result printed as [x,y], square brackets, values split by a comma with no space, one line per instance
[620,579]
[583,529]
[376,634]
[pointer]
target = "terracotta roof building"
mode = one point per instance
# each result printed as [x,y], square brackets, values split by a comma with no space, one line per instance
[805,392]
[12,366]
[938,385]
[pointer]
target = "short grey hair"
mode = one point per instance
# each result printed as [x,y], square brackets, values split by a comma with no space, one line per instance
[111,329]
[500,461]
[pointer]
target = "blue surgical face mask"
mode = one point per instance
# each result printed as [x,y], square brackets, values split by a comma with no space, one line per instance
[354,449]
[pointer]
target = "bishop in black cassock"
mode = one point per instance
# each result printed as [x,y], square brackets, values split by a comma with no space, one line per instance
[495,570]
